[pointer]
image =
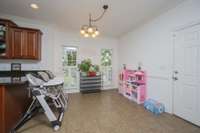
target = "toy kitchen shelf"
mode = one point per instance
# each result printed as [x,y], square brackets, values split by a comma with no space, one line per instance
[132,85]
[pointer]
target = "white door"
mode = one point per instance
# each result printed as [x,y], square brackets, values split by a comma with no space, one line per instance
[106,66]
[187,74]
[70,68]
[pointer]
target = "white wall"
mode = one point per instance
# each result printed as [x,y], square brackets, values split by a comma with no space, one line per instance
[54,38]
[87,48]
[152,45]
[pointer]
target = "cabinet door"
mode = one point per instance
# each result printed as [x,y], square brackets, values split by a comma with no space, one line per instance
[2,108]
[32,44]
[4,41]
[15,97]
[18,47]
[26,44]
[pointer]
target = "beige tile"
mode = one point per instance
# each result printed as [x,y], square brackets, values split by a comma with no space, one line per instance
[109,112]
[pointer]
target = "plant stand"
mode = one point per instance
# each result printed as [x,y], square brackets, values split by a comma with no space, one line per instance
[90,84]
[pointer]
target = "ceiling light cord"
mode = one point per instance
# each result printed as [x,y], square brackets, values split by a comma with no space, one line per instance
[105,8]
[90,19]
[99,18]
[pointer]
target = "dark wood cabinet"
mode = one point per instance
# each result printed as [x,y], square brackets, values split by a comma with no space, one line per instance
[20,42]
[16,43]
[5,39]
[2,117]
[33,39]
[26,43]
[4,47]
[14,101]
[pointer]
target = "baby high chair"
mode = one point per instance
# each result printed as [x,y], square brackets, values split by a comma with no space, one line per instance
[44,95]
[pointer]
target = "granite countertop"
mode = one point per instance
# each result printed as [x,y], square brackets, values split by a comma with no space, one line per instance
[14,78]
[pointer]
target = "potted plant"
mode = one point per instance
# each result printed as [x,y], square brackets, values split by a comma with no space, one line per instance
[87,69]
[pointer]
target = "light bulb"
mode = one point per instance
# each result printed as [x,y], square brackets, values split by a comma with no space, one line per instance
[82,31]
[90,30]
[86,35]
[93,35]
[34,6]
[97,32]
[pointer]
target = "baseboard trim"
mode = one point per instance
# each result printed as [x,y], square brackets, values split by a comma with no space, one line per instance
[78,91]
[71,91]
[109,88]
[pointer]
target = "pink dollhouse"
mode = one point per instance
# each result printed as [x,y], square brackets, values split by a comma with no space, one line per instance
[132,85]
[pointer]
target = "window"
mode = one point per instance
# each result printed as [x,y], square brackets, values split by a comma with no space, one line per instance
[106,66]
[69,57]
[106,55]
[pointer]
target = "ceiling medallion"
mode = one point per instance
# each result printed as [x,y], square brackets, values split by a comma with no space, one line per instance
[92,30]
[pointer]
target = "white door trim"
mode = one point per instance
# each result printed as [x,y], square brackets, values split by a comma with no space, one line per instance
[77,89]
[182,27]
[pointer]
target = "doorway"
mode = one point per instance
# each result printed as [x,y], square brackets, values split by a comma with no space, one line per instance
[186,76]
[70,68]
[106,66]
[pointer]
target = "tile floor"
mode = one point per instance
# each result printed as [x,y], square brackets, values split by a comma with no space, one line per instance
[109,112]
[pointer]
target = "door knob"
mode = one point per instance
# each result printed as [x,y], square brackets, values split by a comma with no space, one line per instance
[174,78]
[176,72]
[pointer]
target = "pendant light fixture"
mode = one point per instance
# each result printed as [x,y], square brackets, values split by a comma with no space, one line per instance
[91,30]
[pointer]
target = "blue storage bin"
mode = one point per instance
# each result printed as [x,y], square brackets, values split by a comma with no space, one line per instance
[154,106]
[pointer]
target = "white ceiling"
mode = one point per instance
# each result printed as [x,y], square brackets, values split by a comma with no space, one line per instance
[122,16]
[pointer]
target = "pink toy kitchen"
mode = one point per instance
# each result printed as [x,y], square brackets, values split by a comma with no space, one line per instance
[132,85]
